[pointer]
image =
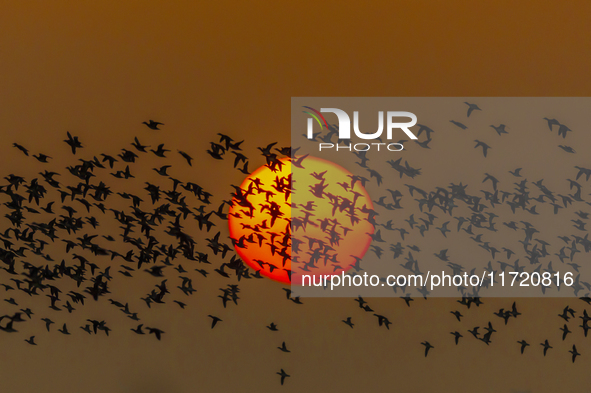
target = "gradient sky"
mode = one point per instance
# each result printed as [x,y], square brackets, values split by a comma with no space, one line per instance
[99,70]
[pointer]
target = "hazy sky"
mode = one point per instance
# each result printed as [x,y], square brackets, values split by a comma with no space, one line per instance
[99,70]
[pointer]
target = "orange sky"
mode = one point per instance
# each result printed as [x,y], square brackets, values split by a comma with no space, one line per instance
[100,69]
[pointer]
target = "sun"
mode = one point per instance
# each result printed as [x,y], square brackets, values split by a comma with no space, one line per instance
[314,218]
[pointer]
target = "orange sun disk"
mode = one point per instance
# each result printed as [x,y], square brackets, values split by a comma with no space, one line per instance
[330,229]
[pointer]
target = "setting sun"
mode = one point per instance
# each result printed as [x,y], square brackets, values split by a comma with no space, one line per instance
[317,210]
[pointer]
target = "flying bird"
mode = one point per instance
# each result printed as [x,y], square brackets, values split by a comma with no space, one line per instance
[471,108]
[214,320]
[21,148]
[428,346]
[348,322]
[283,375]
[484,146]
[523,344]
[283,348]
[153,125]
[73,142]
[574,353]
[546,346]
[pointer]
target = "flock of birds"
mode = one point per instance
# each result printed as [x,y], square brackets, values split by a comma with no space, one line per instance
[472,215]
[68,209]
[47,211]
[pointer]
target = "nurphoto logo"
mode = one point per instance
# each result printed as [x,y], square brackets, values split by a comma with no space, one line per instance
[344,128]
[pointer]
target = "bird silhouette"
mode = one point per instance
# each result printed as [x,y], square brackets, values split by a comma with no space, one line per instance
[153,125]
[31,340]
[283,348]
[546,346]
[428,346]
[155,331]
[523,344]
[214,320]
[574,353]
[348,322]
[471,108]
[73,142]
[484,146]
[457,336]
[283,375]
